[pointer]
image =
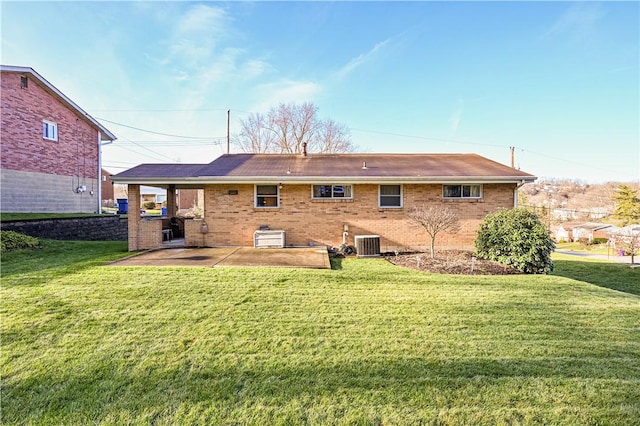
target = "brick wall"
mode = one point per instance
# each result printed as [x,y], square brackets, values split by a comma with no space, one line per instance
[232,219]
[23,148]
[134,219]
[193,233]
[75,153]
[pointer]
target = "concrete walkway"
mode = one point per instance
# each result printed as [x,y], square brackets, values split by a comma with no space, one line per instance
[306,257]
[611,258]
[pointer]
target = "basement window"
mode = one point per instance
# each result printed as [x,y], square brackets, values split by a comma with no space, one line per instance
[49,130]
[462,191]
[267,196]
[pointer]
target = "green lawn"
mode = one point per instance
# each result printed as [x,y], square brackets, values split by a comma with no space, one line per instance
[366,343]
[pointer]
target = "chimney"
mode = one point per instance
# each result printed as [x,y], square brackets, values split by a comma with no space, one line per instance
[304,149]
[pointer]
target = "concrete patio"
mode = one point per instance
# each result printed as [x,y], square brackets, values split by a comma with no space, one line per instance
[306,257]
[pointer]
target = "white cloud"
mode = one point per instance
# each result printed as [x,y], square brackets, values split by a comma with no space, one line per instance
[255,68]
[361,59]
[284,91]
[197,33]
[577,23]
[454,120]
[202,19]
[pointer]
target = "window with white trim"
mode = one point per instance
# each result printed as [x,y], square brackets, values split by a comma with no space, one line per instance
[390,196]
[339,192]
[267,196]
[462,191]
[49,130]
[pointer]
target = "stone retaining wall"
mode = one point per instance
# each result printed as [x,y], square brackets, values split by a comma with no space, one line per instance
[98,228]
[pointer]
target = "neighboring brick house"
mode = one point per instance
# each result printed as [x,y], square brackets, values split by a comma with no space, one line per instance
[315,198]
[108,196]
[589,231]
[50,148]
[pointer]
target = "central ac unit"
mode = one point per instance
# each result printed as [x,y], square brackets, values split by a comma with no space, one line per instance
[367,245]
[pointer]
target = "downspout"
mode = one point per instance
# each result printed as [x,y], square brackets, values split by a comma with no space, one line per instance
[515,193]
[100,144]
[99,172]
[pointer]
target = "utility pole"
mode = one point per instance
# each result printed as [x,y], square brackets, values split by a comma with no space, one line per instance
[228,139]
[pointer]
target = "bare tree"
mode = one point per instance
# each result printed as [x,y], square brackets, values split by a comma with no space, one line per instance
[286,128]
[435,219]
[627,239]
[333,137]
[255,135]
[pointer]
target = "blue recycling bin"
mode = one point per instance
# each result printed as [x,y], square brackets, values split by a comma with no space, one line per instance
[123,205]
[164,211]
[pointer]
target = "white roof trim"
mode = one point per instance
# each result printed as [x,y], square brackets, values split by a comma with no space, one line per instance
[302,180]
[106,134]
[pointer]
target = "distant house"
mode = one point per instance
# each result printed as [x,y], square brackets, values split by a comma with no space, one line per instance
[151,194]
[563,232]
[108,196]
[325,199]
[626,239]
[51,156]
[589,231]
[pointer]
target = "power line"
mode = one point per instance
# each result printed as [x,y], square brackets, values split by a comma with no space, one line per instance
[428,138]
[485,144]
[151,131]
[150,150]
[204,140]
[160,109]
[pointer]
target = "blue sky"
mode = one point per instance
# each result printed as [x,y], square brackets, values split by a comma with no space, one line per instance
[557,80]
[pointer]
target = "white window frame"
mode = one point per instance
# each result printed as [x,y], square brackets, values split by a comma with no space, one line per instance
[462,197]
[313,197]
[256,195]
[380,197]
[49,130]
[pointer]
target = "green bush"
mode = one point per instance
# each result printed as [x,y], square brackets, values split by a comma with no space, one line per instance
[10,240]
[516,238]
[149,205]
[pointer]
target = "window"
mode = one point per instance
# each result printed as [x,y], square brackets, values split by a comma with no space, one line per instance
[390,196]
[24,82]
[332,191]
[50,130]
[461,191]
[267,196]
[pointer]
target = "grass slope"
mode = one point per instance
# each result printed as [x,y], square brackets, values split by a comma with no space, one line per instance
[368,343]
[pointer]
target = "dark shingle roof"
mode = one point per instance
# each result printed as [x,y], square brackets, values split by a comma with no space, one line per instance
[359,167]
[161,171]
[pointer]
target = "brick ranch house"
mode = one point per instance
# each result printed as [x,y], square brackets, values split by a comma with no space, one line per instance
[50,147]
[315,198]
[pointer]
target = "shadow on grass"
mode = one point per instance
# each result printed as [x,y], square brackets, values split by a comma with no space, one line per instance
[104,388]
[615,276]
[57,258]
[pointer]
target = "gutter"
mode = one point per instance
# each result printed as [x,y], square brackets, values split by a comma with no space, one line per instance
[398,180]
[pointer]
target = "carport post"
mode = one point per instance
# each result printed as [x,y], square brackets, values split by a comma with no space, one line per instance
[171,201]
[133,192]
